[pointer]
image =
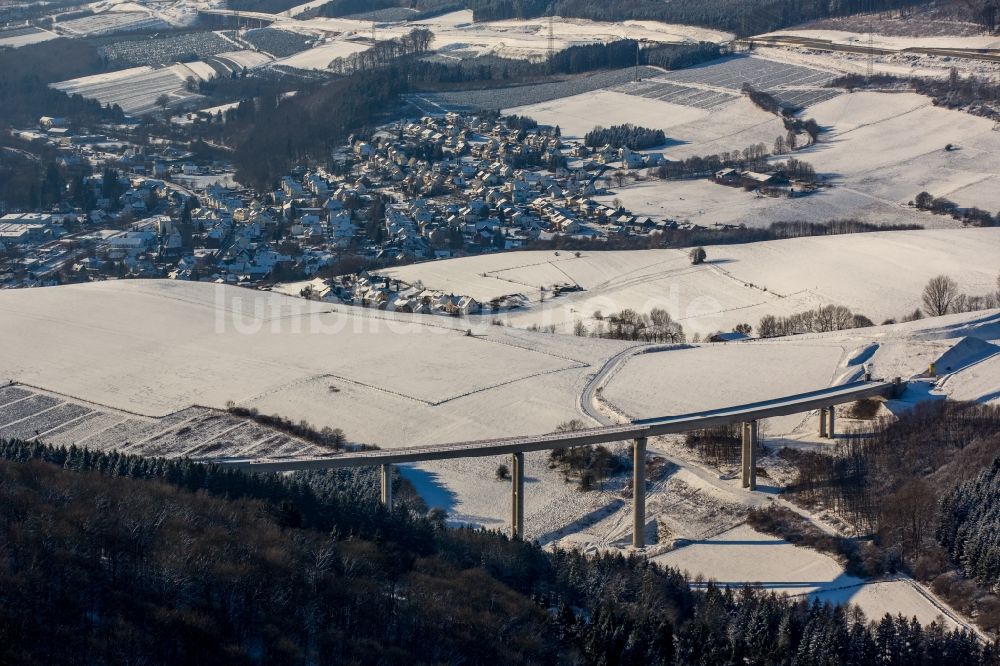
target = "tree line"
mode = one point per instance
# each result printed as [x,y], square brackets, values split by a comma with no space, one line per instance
[628,135]
[753,157]
[27,71]
[720,446]
[692,237]
[820,320]
[382,53]
[742,18]
[941,296]
[588,466]
[974,217]
[971,93]
[654,326]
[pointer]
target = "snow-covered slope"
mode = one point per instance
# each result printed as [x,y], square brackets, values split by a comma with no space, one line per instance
[871,152]
[880,275]
[154,347]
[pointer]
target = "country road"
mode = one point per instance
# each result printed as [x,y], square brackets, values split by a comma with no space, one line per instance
[589,401]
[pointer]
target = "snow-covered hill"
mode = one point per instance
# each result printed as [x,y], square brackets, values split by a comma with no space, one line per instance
[880,275]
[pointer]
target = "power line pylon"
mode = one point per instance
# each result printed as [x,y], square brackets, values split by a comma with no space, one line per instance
[870,68]
[552,37]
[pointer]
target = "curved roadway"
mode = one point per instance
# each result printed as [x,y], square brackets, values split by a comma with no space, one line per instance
[589,401]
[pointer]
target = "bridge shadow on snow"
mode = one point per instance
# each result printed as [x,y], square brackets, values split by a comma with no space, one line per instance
[736,542]
[429,487]
[838,591]
[983,399]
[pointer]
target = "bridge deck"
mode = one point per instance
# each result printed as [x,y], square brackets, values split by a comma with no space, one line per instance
[803,402]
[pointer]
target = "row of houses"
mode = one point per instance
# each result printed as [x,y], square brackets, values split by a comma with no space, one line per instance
[386,293]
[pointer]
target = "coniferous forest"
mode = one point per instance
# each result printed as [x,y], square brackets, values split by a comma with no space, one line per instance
[110,559]
[969,528]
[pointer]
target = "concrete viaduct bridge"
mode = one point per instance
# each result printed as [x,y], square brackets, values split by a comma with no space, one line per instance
[638,432]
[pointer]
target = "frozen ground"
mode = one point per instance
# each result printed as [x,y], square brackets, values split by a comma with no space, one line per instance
[878,274]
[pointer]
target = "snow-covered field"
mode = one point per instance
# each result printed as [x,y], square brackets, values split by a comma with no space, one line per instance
[710,377]
[871,154]
[894,42]
[743,554]
[892,146]
[579,114]
[112,16]
[110,22]
[132,350]
[879,274]
[320,57]
[227,179]
[706,203]
[136,89]
[245,58]
[455,33]
[24,36]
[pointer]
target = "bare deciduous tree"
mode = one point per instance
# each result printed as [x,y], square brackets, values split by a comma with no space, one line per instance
[939,295]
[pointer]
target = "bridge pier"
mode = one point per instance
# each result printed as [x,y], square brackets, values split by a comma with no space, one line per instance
[517,495]
[639,492]
[385,473]
[822,422]
[749,457]
[832,429]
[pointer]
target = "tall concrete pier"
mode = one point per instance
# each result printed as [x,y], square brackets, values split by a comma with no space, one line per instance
[639,492]
[747,417]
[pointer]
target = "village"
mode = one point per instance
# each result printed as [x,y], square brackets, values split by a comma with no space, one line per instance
[434,188]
